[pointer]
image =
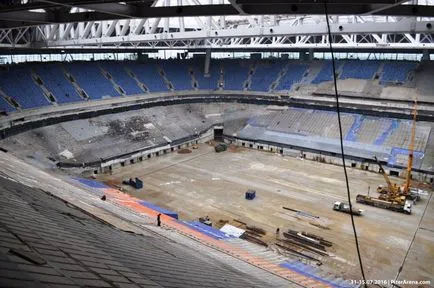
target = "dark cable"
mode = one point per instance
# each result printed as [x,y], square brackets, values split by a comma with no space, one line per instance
[342,145]
[412,239]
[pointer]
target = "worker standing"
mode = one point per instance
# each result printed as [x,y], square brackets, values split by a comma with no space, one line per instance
[159,220]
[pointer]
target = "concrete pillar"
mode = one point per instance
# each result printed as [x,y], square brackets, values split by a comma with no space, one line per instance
[207,62]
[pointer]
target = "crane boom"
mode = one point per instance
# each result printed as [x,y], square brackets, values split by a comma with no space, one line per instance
[411,150]
[382,172]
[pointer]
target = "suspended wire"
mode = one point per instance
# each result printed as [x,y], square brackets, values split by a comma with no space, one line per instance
[412,239]
[342,145]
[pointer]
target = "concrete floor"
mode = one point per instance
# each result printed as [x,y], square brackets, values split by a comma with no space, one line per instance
[208,183]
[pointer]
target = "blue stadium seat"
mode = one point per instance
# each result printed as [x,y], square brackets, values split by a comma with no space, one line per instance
[4,106]
[121,77]
[266,72]
[359,69]
[235,74]
[89,77]
[293,75]
[211,82]
[326,73]
[56,82]
[18,84]
[177,73]
[396,72]
[148,74]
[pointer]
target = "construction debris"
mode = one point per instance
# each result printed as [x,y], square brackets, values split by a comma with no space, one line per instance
[250,238]
[205,220]
[320,239]
[256,230]
[220,147]
[298,253]
[303,239]
[301,213]
[241,222]
[184,151]
[304,246]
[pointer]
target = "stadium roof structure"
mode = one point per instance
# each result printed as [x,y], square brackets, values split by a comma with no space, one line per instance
[44,25]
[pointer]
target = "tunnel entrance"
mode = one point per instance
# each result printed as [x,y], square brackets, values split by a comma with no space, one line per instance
[218,134]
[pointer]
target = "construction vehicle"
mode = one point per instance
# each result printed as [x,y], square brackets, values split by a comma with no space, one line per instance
[343,207]
[393,192]
[391,187]
[220,147]
[403,206]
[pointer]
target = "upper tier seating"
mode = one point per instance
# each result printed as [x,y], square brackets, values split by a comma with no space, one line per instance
[294,74]
[4,106]
[177,73]
[235,74]
[211,81]
[148,74]
[18,84]
[396,72]
[16,81]
[326,73]
[89,77]
[121,77]
[266,73]
[56,82]
[359,69]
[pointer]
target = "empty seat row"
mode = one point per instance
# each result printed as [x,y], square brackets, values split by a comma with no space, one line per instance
[165,75]
[120,75]
[396,72]
[265,74]
[17,83]
[359,69]
[56,82]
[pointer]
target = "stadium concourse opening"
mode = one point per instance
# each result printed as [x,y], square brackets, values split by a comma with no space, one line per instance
[230,144]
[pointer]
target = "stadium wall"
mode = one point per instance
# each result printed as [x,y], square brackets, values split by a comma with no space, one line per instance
[327,157]
[20,125]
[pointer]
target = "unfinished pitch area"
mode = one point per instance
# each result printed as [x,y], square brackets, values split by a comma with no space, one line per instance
[207,183]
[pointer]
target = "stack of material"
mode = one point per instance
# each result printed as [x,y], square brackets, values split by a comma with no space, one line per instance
[250,238]
[305,242]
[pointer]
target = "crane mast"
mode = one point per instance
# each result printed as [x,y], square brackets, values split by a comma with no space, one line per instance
[411,150]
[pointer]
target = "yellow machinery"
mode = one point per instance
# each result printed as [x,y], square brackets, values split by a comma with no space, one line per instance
[393,192]
[391,187]
[406,188]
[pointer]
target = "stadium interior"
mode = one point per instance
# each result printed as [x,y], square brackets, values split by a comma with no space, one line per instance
[199,143]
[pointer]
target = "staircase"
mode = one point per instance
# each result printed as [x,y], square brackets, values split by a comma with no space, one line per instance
[139,83]
[74,83]
[38,80]
[10,100]
[276,82]
[165,79]
[109,77]
[248,82]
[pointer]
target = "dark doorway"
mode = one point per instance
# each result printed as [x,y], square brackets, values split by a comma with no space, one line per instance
[218,135]
[394,173]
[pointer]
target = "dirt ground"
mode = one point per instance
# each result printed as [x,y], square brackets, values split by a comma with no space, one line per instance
[207,183]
